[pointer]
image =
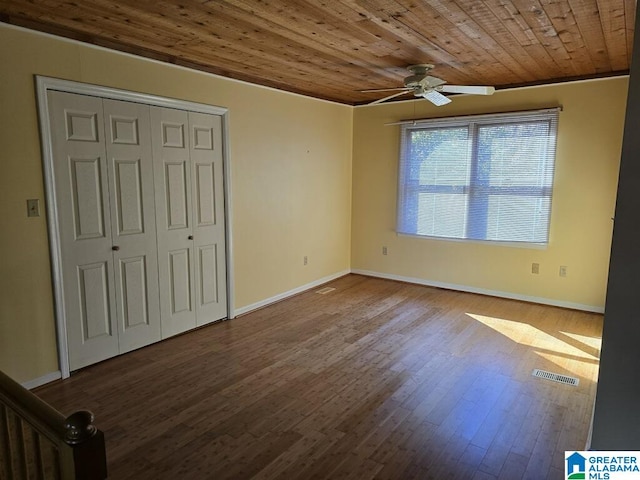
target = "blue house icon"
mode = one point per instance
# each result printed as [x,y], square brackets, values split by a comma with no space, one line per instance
[576,463]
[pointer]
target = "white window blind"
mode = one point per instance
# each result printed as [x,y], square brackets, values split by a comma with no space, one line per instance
[487,177]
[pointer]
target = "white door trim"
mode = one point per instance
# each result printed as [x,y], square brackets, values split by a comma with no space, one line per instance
[44,84]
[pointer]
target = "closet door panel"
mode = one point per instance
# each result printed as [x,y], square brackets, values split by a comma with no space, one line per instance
[95,311]
[208,271]
[180,281]
[86,193]
[133,276]
[209,226]
[205,194]
[82,200]
[174,219]
[129,153]
[175,186]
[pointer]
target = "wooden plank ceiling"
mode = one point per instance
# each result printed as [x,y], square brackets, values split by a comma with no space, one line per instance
[331,49]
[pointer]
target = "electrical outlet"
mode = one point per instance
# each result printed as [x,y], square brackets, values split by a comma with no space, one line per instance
[535,268]
[305,260]
[384,250]
[563,270]
[33,207]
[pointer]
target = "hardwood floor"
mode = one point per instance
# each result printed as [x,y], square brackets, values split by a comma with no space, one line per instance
[376,379]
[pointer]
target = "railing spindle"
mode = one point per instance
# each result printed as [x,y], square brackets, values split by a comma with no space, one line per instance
[5,446]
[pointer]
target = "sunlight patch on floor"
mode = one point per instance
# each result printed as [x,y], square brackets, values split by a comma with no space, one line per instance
[593,342]
[550,344]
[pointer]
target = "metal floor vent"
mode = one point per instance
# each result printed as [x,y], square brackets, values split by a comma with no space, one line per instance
[325,290]
[555,377]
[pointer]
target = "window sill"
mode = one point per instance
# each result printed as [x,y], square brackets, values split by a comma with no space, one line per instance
[492,243]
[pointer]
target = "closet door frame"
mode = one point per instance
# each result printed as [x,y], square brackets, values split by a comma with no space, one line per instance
[45,84]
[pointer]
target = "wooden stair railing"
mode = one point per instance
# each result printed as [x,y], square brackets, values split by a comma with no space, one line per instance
[38,442]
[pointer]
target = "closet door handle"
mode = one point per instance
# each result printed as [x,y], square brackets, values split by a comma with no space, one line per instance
[115,248]
[190,237]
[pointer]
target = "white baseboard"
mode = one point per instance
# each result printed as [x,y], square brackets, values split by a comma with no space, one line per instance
[38,382]
[483,291]
[295,291]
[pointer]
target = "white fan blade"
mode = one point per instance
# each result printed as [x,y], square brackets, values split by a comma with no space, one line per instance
[436,98]
[385,89]
[389,97]
[474,90]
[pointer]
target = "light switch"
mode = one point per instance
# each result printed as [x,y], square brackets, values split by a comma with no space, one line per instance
[33,207]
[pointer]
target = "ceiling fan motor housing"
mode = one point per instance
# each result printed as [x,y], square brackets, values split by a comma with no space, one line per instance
[419,73]
[413,81]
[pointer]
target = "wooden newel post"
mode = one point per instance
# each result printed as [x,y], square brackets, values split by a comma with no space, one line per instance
[79,427]
[87,442]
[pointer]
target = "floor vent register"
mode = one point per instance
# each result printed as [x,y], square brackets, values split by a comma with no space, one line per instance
[555,377]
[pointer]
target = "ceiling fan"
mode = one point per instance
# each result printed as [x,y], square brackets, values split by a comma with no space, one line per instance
[423,85]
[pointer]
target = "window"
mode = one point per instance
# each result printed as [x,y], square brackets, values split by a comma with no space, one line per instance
[485,177]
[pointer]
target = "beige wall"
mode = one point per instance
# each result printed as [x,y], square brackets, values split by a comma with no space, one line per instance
[290,168]
[588,156]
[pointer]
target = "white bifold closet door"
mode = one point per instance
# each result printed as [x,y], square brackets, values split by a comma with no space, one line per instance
[104,190]
[141,222]
[187,152]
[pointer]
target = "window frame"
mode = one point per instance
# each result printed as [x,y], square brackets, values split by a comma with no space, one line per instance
[473,123]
